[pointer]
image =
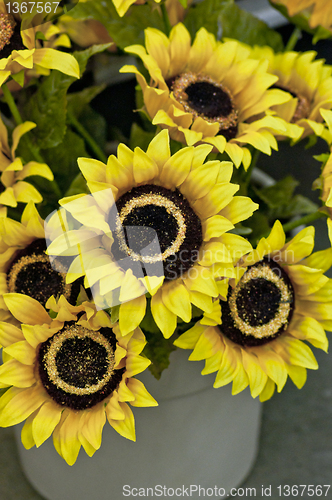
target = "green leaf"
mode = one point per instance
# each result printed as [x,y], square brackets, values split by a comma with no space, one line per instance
[78,100]
[63,159]
[158,350]
[299,205]
[19,77]
[279,194]
[225,19]
[139,137]
[126,30]
[83,56]
[260,226]
[47,108]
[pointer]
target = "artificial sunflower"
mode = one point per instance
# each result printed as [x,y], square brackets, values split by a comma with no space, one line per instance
[24,266]
[14,188]
[156,223]
[279,299]
[21,51]
[67,375]
[317,12]
[209,92]
[307,79]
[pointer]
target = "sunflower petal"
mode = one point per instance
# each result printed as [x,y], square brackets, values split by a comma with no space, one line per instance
[125,427]
[45,422]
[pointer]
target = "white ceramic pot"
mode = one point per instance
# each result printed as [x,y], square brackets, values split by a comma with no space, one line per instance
[197,438]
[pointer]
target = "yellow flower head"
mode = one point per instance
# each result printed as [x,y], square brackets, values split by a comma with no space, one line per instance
[317,12]
[15,189]
[69,374]
[24,266]
[22,53]
[307,79]
[155,223]
[279,299]
[209,92]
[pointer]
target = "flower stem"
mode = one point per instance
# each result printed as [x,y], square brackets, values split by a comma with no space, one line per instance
[293,39]
[305,220]
[87,137]
[11,104]
[18,119]
[166,20]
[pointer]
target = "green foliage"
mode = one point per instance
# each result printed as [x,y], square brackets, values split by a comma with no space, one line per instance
[127,30]
[225,19]
[62,159]
[47,108]
[280,202]
[157,348]
[78,100]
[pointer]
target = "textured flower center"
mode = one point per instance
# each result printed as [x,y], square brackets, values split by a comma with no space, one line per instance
[303,104]
[158,225]
[76,366]
[202,96]
[260,307]
[10,35]
[7,25]
[31,273]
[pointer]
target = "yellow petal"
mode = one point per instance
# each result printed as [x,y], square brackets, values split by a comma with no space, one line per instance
[189,339]
[15,373]
[68,436]
[45,422]
[142,396]
[20,404]
[176,298]
[9,334]
[145,168]
[165,319]
[26,309]
[126,427]
[54,59]
[94,421]
[22,351]
[131,314]
[257,377]
[207,345]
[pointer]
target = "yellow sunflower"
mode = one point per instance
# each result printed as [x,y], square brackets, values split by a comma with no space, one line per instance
[21,51]
[209,92]
[67,375]
[279,299]
[155,223]
[14,188]
[307,79]
[324,182]
[317,12]
[24,266]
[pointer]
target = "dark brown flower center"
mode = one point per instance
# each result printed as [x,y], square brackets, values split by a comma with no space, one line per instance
[202,96]
[158,228]
[10,36]
[76,366]
[31,273]
[260,307]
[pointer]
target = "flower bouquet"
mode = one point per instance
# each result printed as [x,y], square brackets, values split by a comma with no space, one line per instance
[123,244]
